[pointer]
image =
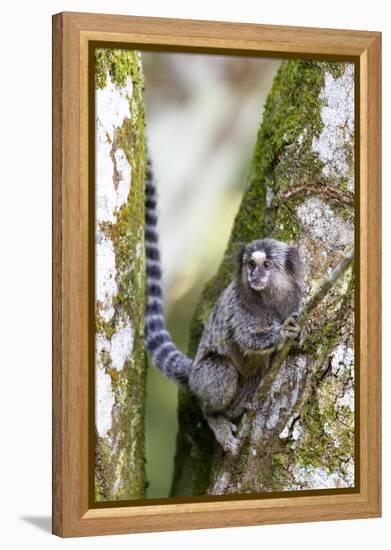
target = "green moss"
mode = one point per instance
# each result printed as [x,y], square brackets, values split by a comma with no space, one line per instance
[336,69]
[313,449]
[104,475]
[99,495]
[241,466]
[286,226]
[119,63]
[271,469]
[279,472]
[291,107]
[108,328]
[319,342]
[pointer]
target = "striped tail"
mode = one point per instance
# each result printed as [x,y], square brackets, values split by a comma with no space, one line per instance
[165,355]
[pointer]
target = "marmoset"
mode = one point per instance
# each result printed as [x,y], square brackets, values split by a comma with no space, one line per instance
[248,322]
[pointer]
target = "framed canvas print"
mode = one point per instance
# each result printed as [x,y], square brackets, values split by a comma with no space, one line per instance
[216,274]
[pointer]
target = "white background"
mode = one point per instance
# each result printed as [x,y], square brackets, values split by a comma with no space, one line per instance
[25,271]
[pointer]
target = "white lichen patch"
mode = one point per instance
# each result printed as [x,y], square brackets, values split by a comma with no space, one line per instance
[347,399]
[104,401]
[117,351]
[284,434]
[121,346]
[102,344]
[112,104]
[342,366]
[112,108]
[105,283]
[324,224]
[110,195]
[113,182]
[349,474]
[342,359]
[319,478]
[337,115]
[297,431]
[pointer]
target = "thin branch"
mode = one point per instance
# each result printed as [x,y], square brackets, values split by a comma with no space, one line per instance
[265,384]
[321,189]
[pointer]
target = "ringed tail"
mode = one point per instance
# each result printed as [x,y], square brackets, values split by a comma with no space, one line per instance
[164,354]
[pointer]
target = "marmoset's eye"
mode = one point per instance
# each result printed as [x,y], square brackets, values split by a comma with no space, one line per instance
[267,264]
[252,264]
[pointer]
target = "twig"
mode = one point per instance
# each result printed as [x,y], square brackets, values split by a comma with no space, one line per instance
[265,384]
[320,189]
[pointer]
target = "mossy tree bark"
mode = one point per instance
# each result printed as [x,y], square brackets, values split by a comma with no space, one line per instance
[120,373]
[301,190]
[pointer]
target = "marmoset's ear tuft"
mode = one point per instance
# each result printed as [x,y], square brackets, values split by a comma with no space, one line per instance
[237,255]
[293,263]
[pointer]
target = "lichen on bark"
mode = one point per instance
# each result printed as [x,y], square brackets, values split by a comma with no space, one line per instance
[120,363]
[301,190]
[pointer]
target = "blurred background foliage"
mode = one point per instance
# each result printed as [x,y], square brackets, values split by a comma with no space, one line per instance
[202,114]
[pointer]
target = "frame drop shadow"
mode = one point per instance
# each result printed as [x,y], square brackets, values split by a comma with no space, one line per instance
[41,522]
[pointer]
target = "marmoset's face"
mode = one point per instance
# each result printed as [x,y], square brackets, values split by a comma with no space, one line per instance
[259,268]
[268,263]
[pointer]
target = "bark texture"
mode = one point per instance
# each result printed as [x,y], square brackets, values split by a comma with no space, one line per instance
[301,190]
[120,373]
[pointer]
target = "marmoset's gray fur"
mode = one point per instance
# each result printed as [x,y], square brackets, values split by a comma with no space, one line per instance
[249,321]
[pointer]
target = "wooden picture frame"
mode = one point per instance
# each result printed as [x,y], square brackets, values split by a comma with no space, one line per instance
[72,33]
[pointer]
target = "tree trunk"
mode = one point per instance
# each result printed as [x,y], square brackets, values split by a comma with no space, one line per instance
[300,190]
[120,373]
